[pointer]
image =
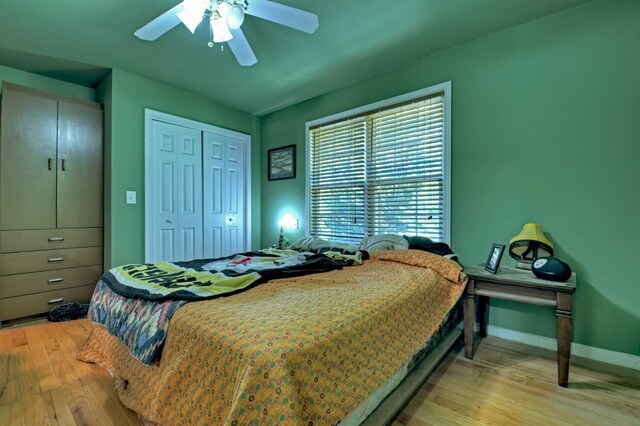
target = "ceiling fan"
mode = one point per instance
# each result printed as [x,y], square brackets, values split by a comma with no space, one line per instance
[225,19]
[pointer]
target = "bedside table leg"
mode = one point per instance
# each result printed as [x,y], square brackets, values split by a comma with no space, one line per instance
[468,307]
[483,314]
[564,314]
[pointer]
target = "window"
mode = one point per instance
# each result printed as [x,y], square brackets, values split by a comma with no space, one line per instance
[383,168]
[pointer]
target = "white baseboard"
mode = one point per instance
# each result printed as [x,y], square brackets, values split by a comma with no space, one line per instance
[602,355]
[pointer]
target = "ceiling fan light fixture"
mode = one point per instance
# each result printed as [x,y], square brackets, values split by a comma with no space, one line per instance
[220,29]
[225,19]
[232,13]
[192,14]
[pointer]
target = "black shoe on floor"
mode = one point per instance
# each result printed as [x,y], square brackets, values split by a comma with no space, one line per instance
[68,312]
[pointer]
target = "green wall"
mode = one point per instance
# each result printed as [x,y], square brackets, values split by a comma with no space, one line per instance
[130,95]
[546,129]
[35,81]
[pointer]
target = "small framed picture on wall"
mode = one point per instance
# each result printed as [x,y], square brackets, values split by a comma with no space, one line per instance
[495,255]
[282,163]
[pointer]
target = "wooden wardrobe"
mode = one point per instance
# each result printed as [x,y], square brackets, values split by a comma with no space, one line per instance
[51,180]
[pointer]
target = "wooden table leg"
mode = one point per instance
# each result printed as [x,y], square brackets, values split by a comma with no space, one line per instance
[468,307]
[564,314]
[483,315]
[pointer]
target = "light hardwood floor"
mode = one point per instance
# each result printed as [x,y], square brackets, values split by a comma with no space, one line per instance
[42,383]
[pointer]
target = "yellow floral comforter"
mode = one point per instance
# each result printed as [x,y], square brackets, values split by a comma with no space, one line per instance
[300,351]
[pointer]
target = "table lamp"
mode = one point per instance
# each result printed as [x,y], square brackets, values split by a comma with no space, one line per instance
[287,221]
[529,245]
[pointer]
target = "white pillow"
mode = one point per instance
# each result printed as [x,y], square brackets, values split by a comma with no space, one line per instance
[303,243]
[319,245]
[384,242]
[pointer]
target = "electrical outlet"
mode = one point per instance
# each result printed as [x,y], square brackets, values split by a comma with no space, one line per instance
[131,197]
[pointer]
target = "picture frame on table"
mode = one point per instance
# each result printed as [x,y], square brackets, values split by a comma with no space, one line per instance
[495,255]
[282,163]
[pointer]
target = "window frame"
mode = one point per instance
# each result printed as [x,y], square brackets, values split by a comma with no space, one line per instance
[386,103]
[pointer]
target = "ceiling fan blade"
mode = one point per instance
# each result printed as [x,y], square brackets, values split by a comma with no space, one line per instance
[283,15]
[241,49]
[161,24]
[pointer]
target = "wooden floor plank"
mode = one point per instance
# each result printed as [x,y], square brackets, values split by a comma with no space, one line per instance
[105,408]
[9,391]
[80,406]
[11,415]
[33,406]
[42,382]
[57,408]
[18,337]
[126,416]
[508,383]
[39,360]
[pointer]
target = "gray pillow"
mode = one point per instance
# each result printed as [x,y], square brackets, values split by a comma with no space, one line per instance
[418,242]
[318,245]
[384,242]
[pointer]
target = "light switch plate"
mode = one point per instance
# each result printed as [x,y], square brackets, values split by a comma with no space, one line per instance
[131,197]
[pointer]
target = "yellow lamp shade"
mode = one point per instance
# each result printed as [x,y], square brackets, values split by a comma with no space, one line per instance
[529,244]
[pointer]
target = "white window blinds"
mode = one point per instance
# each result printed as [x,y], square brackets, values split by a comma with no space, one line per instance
[379,172]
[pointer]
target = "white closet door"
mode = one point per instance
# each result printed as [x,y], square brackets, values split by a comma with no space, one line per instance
[235,195]
[196,186]
[224,194]
[177,186]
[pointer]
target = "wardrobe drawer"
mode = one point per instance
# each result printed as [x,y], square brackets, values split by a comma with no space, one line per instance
[47,239]
[49,260]
[38,282]
[33,304]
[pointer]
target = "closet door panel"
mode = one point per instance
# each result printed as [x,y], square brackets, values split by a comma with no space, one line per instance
[176,206]
[27,162]
[234,194]
[164,211]
[79,166]
[189,192]
[213,195]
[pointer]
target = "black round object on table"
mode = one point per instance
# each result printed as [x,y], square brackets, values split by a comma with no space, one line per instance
[551,268]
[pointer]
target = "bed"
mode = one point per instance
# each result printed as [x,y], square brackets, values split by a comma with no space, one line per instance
[317,349]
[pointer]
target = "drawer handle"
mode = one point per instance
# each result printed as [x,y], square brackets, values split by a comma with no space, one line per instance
[57,300]
[55,239]
[55,259]
[55,280]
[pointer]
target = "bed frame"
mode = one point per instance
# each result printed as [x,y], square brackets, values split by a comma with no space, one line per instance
[393,404]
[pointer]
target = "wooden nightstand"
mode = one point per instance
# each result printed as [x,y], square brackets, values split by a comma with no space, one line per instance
[521,286]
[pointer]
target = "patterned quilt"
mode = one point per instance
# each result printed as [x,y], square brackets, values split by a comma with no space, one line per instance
[141,325]
[136,302]
[301,351]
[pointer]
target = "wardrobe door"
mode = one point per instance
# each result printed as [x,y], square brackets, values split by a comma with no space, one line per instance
[79,166]
[27,161]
